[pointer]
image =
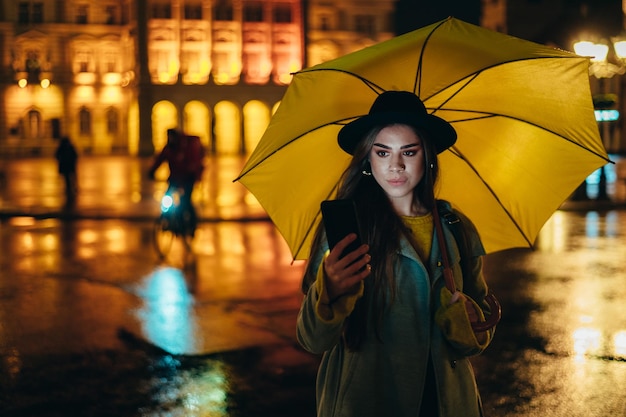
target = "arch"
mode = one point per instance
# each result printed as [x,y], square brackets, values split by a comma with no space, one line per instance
[256,117]
[197,121]
[164,116]
[227,128]
[32,125]
[112,120]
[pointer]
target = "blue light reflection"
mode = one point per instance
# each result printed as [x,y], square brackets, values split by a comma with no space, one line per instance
[167,315]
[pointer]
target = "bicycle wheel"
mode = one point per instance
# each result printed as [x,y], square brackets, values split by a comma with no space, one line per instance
[163,237]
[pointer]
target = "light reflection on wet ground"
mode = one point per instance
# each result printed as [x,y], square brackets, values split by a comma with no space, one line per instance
[92,323]
[559,349]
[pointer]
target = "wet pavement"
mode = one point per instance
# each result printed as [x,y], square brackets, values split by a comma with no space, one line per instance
[93,323]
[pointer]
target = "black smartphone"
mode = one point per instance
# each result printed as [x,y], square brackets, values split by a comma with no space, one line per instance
[340,220]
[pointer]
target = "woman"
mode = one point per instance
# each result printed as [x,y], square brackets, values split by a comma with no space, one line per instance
[394,341]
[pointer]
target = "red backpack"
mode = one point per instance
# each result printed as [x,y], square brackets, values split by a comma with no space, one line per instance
[195,156]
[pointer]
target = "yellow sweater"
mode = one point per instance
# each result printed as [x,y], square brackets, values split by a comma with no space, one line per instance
[422,228]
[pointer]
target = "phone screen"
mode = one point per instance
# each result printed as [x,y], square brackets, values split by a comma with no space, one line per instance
[340,220]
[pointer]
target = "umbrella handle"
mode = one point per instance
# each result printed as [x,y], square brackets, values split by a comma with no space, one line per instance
[493,319]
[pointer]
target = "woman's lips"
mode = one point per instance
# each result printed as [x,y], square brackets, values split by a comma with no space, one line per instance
[396,181]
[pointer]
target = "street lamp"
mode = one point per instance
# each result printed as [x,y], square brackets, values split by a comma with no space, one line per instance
[603,70]
[598,53]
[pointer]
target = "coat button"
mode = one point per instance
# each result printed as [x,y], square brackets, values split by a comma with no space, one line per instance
[453,364]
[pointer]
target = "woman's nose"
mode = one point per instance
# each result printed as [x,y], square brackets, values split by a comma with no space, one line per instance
[397,165]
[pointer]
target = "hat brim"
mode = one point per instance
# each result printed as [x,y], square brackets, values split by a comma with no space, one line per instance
[440,132]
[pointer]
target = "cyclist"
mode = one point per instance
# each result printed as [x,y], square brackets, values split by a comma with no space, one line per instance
[185,157]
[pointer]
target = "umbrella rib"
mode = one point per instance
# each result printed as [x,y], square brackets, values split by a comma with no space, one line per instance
[294,139]
[474,75]
[459,155]
[417,84]
[310,228]
[490,115]
[371,84]
[469,79]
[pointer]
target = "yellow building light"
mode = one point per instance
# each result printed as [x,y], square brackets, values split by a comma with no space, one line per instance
[45,83]
[164,77]
[205,66]
[22,82]
[84,94]
[111,95]
[221,78]
[285,78]
[85,78]
[112,78]
[195,77]
[235,68]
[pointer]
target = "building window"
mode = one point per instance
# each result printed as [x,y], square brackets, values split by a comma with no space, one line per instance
[161,11]
[109,62]
[324,23]
[282,13]
[224,11]
[23,13]
[343,20]
[84,121]
[253,12]
[32,66]
[112,121]
[33,124]
[365,24]
[29,12]
[193,12]
[83,59]
[82,11]
[37,13]
[110,12]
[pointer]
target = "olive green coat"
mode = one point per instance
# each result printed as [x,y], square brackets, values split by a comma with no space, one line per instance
[387,378]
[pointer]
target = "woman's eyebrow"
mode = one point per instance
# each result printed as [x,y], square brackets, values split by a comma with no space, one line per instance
[411,145]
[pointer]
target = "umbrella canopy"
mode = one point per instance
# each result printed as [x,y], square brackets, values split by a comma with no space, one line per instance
[527,136]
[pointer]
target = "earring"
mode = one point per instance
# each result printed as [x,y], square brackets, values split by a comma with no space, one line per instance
[367,168]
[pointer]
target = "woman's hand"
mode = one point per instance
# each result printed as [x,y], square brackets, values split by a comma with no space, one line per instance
[343,274]
[471,312]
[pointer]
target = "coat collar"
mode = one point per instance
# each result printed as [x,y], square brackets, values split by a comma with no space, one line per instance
[434,264]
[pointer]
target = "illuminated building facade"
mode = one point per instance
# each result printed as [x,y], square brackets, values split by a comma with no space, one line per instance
[336,28]
[114,75]
[68,68]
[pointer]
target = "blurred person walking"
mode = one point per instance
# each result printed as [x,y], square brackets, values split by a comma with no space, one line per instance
[67,158]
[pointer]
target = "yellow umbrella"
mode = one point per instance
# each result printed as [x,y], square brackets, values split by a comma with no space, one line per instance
[527,136]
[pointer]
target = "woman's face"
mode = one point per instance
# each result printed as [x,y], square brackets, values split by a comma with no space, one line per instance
[397,161]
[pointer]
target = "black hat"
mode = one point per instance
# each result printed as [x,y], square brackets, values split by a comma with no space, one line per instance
[398,107]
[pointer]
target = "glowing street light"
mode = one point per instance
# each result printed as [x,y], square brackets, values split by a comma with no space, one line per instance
[601,69]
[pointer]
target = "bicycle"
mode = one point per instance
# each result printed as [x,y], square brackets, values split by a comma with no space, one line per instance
[174,223]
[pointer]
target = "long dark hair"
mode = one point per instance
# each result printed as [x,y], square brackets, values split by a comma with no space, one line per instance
[382,229]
